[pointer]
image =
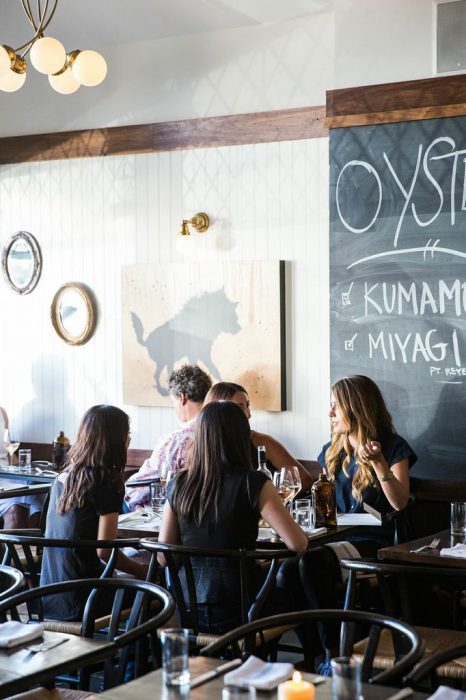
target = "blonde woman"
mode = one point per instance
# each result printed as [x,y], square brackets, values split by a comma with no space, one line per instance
[368,463]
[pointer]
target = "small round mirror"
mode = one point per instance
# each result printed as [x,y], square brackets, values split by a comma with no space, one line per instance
[21,262]
[74,313]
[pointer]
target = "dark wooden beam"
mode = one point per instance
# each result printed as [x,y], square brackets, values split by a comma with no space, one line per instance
[394,102]
[258,127]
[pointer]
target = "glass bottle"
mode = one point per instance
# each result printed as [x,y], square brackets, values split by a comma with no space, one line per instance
[324,502]
[61,445]
[262,462]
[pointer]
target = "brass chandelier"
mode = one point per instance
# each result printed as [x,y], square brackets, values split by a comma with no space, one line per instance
[66,71]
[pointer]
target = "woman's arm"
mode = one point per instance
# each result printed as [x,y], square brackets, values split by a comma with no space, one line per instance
[169,530]
[274,512]
[396,486]
[108,530]
[279,456]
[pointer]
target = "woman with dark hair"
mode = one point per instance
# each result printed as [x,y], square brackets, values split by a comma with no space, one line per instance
[369,463]
[85,501]
[277,455]
[217,502]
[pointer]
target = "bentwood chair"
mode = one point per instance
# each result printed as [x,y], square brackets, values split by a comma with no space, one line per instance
[11,581]
[179,569]
[402,587]
[24,552]
[138,642]
[244,640]
[426,676]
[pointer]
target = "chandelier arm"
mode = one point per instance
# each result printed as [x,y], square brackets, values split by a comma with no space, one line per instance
[43,22]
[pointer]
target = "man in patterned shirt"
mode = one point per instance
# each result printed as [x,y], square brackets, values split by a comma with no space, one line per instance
[188,388]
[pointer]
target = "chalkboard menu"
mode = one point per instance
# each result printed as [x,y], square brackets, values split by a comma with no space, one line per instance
[398,278]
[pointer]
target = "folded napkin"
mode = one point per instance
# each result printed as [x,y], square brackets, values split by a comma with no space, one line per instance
[259,674]
[445,693]
[314,531]
[138,518]
[13,633]
[458,551]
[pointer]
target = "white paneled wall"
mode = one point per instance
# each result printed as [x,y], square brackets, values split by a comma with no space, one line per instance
[92,216]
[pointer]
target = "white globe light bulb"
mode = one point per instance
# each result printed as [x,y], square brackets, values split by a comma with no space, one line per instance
[89,68]
[5,60]
[11,81]
[65,83]
[48,55]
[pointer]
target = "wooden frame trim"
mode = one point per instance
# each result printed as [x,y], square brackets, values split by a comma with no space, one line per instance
[233,130]
[410,100]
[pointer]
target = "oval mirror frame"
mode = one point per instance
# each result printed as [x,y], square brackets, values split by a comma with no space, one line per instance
[80,292]
[28,240]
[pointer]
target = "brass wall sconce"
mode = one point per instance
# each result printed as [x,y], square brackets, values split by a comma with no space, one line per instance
[200,222]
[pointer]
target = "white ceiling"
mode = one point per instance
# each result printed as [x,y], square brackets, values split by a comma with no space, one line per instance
[93,23]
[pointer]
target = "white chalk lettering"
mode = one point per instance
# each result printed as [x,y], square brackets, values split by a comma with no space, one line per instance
[413,346]
[370,169]
[420,298]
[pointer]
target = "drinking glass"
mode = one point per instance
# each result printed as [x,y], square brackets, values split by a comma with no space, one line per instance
[288,483]
[157,497]
[24,461]
[10,446]
[303,513]
[175,657]
[458,518]
[346,678]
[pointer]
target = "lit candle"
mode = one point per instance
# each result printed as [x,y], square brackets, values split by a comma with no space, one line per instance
[296,689]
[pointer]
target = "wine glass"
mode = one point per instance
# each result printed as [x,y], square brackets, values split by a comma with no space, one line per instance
[10,446]
[288,483]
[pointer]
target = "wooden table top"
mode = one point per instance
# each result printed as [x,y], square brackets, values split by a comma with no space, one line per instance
[34,476]
[25,490]
[20,669]
[402,552]
[151,686]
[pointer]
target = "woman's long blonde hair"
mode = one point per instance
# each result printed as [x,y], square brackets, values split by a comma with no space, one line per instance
[363,408]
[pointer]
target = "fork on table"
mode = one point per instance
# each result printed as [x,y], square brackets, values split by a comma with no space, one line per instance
[433,545]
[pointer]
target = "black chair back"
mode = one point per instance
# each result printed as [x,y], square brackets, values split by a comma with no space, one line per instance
[11,581]
[247,636]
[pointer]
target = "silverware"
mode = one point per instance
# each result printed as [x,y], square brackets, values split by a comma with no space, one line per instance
[433,545]
[404,693]
[219,671]
[319,680]
[45,646]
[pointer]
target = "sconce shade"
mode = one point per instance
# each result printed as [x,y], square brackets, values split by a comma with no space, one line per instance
[48,55]
[65,83]
[89,68]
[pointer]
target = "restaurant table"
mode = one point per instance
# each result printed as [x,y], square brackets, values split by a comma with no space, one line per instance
[402,552]
[34,476]
[26,490]
[21,669]
[151,686]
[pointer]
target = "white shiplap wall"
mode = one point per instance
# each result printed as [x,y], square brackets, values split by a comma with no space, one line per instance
[92,216]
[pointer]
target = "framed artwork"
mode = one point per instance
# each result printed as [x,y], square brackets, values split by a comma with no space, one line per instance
[227,317]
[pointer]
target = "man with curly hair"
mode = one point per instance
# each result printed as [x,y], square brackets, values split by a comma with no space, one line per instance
[188,388]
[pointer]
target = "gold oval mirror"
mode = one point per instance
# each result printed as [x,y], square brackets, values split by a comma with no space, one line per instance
[22,262]
[74,313]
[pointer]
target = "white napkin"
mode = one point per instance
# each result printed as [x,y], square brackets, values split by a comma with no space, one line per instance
[265,533]
[259,674]
[138,518]
[445,693]
[13,633]
[314,532]
[458,551]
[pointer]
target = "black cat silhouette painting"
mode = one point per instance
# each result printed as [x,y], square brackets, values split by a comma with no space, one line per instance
[228,317]
[189,334]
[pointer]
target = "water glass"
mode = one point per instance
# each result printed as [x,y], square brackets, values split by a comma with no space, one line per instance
[458,518]
[24,461]
[158,497]
[175,657]
[303,513]
[346,678]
